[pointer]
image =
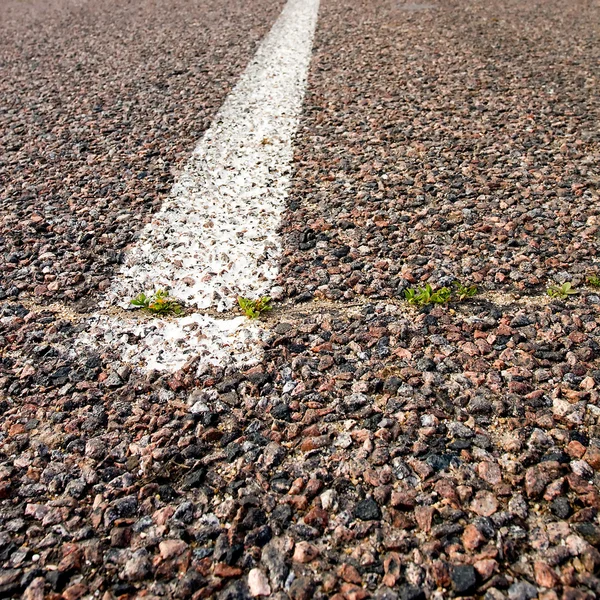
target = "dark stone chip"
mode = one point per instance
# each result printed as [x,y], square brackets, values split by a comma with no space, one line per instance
[193,451]
[367,510]
[228,384]
[233,451]
[258,439]
[520,320]
[304,532]
[255,517]
[225,552]
[184,512]
[410,592]
[126,507]
[392,384]
[340,251]
[110,473]
[560,507]
[208,532]
[61,373]
[166,492]
[578,436]
[440,462]
[556,455]
[430,320]
[258,378]
[425,364]
[259,537]
[230,436]
[459,445]
[463,578]
[202,552]
[234,486]
[298,348]
[282,514]
[189,583]
[485,526]
[445,530]
[281,411]
[191,480]
[57,579]
[588,531]
[30,575]
[301,589]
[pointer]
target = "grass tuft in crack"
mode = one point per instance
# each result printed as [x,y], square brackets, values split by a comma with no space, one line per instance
[428,295]
[159,304]
[594,281]
[254,308]
[563,291]
[464,291]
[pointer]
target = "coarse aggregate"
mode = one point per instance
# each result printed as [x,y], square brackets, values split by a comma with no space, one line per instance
[379,450]
[451,140]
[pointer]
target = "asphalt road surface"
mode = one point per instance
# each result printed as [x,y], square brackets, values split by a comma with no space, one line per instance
[349,444]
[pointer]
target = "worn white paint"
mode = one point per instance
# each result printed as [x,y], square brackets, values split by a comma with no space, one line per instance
[166,345]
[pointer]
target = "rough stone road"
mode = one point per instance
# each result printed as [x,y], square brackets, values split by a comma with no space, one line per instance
[378,450]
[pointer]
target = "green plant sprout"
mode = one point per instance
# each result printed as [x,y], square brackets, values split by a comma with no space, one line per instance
[562,292]
[159,304]
[594,281]
[427,295]
[254,308]
[464,291]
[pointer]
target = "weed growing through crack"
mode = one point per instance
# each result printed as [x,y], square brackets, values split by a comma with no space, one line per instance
[594,281]
[563,291]
[428,295]
[253,309]
[159,304]
[464,291]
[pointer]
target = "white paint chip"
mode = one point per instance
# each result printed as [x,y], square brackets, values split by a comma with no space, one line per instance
[216,236]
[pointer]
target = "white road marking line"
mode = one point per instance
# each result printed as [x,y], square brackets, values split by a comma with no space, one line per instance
[216,237]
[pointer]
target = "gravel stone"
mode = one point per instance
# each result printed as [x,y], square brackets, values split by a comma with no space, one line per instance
[367,510]
[463,578]
[522,590]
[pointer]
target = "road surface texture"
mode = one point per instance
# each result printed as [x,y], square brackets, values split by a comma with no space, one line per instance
[376,450]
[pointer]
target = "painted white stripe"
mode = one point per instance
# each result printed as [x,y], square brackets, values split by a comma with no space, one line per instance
[216,237]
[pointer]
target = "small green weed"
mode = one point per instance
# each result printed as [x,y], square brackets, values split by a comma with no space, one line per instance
[427,295]
[464,291]
[410,295]
[562,292]
[441,296]
[594,281]
[254,308]
[160,303]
